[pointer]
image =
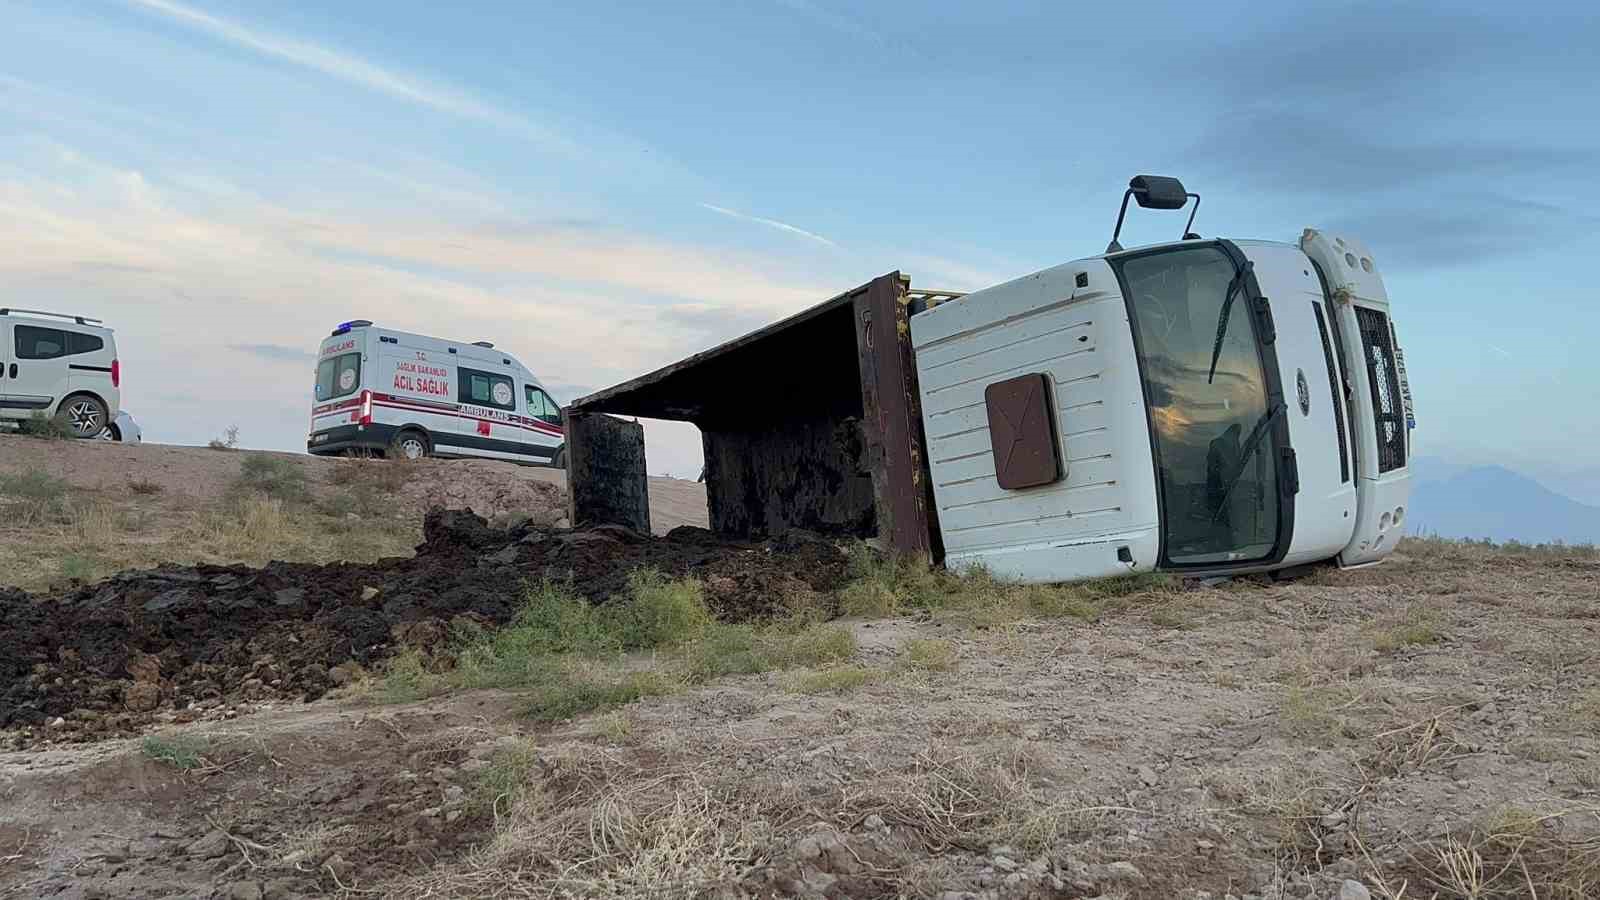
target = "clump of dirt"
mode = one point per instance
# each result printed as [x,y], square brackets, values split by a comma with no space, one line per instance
[107,659]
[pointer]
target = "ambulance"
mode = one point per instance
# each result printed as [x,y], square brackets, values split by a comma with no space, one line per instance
[394,393]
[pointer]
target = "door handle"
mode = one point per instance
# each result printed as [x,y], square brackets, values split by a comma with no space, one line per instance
[13,370]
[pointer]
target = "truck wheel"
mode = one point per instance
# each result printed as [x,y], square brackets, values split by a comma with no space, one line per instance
[86,415]
[559,461]
[412,444]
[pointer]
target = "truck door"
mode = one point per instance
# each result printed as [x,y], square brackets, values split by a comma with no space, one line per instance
[1314,403]
[1214,403]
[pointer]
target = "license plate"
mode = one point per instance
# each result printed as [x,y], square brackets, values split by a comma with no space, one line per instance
[320,439]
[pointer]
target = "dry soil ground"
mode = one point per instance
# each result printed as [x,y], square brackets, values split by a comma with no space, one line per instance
[86,509]
[1427,728]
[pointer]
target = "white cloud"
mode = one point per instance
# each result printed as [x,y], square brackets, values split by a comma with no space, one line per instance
[214,293]
[772,223]
[355,70]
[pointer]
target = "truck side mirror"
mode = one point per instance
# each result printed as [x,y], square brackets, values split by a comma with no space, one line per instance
[1155,192]
[1158,192]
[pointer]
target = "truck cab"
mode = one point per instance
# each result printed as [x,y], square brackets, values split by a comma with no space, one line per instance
[1211,407]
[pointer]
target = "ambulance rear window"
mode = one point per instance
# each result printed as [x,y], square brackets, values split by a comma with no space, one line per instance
[338,376]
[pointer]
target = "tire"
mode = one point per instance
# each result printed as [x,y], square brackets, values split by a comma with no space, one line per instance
[86,415]
[559,461]
[412,444]
[110,433]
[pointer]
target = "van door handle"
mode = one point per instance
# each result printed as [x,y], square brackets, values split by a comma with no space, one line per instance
[13,370]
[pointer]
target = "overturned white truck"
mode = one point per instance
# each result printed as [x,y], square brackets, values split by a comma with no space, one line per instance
[1207,406]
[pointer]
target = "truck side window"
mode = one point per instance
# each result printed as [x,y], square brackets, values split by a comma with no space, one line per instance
[40,343]
[487,389]
[542,407]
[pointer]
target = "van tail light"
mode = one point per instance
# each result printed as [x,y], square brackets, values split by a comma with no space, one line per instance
[366,408]
[116,373]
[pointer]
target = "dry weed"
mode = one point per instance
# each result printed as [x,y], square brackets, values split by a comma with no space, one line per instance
[1513,853]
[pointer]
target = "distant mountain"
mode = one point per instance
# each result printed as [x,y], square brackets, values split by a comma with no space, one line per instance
[1496,503]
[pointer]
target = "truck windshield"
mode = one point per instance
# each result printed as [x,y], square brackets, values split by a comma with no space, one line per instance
[1215,458]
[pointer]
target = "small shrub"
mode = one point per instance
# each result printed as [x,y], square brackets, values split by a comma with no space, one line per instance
[1169,616]
[1419,628]
[228,441]
[75,567]
[724,650]
[50,428]
[35,496]
[554,620]
[1315,715]
[1056,601]
[884,585]
[928,655]
[617,725]
[144,487]
[810,645]
[835,680]
[661,611]
[181,751]
[272,476]
[509,777]
[95,525]
[573,694]
[406,677]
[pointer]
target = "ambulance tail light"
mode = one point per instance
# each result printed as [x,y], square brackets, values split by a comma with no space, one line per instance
[116,373]
[366,408]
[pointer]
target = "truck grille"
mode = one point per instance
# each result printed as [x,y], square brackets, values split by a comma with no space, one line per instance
[1390,421]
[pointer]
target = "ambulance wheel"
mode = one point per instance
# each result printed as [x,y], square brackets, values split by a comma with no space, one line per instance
[412,444]
[559,461]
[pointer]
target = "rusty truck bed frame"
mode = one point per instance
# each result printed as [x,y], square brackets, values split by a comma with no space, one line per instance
[813,423]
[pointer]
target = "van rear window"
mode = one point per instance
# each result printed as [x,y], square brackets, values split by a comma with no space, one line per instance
[338,376]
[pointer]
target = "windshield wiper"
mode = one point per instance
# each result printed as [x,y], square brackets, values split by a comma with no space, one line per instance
[1222,319]
[1257,434]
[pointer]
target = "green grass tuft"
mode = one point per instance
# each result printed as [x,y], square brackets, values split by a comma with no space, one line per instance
[565,695]
[835,680]
[928,655]
[277,477]
[181,751]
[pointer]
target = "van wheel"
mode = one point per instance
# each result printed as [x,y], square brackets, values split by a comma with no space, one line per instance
[412,445]
[559,461]
[85,415]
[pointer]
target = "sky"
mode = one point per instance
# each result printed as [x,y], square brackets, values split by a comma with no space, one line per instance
[605,188]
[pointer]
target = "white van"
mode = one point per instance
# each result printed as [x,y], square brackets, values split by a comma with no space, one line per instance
[390,391]
[58,365]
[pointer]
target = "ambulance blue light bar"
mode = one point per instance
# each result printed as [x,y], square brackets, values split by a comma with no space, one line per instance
[346,326]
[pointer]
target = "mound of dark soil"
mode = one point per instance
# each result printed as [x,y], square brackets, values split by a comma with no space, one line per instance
[108,658]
